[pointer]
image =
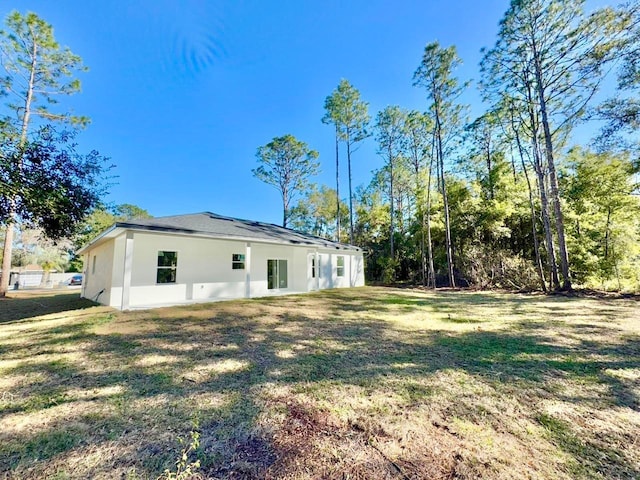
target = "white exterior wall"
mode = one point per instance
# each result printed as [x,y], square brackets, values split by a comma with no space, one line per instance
[296,272]
[312,282]
[117,274]
[324,269]
[204,270]
[99,279]
[357,269]
[353,272]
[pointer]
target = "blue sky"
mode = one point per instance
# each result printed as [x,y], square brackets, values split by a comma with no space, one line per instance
[182,93]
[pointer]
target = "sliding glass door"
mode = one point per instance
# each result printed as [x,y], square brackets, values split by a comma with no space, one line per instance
[276,274]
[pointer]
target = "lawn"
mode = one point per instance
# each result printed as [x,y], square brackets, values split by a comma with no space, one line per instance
[368,383]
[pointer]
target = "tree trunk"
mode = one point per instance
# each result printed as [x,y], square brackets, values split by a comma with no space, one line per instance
[553,179]
[432,271]
[6,260]
[391,203]
[423,253]
[46,275]
[445,201]
[7,250]
[447,224]
[513,163]
[606,234]
[546,221]
[285,201]
[337,189]
[557,209]
[544,202]
[421,215]
[536,245]
[489,168]
[350,194]
[615,266]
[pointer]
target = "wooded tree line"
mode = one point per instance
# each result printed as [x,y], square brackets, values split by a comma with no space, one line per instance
[504,199]
[45,183]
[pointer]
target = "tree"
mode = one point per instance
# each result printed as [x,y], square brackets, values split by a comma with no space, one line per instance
[315,213]
[490,213]
[523,122]
[372,227]
[604,216]
[551,56]
[286,164]
[622,112]
[435,75]
[38,71]
[103,217]
[329,119]
[52,187]
[33,247]
[389,127]
[484,149]
[349,114]
[127,211]
[419,134]
[513,132]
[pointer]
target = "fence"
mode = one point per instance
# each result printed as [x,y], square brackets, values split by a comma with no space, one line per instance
[33,279]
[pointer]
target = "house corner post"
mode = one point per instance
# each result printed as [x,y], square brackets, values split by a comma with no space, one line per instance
[352,257]
[316,262]
[85,275]
[126,274]
[247,268]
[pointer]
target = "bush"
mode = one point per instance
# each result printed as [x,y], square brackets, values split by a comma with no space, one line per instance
[499,269]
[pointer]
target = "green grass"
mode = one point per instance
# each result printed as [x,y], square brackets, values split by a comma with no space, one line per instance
[359,383]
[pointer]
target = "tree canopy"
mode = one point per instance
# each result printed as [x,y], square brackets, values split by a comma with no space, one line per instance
[505,200]
[53,187]
[286,164]
[350,115]
[45,182]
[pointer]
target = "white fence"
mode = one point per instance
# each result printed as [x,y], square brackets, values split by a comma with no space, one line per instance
[33,279]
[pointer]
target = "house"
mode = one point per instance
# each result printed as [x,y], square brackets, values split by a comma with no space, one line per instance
[206,257]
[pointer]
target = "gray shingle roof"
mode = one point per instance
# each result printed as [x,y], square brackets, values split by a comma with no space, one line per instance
[212,225]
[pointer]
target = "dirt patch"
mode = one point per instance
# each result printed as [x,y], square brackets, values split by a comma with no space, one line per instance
[311,443]
[246,460]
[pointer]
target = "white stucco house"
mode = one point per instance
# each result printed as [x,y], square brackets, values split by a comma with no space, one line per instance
[205,257]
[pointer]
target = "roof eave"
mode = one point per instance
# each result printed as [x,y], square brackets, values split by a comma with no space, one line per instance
[102,236]
[185,231]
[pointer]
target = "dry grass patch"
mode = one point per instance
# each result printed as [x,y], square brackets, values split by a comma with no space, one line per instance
[363,383]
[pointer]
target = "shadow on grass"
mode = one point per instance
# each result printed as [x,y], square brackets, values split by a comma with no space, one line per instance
[213,367]
[17,308]
[588,455]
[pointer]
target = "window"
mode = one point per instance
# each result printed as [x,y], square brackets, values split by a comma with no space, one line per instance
[313,267]
[237,261]
[340,268]
[276,274]
[167,266]
[93,265]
